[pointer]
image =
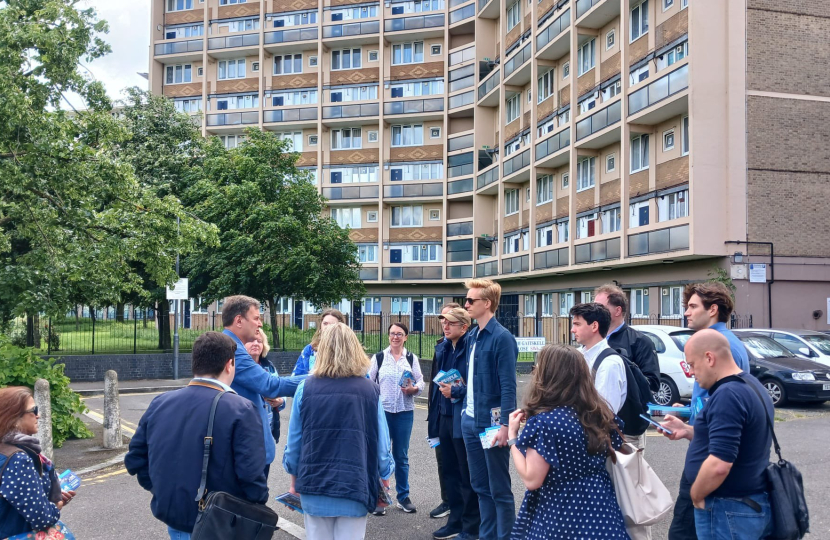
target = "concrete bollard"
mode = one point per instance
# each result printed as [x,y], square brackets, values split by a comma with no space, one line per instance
[112,412]
[43,400]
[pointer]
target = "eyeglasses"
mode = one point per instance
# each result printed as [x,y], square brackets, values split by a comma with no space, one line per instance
[471,301]
[33,410]
[445,322]
[396,334]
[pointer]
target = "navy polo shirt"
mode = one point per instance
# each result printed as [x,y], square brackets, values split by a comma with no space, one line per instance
[733,428]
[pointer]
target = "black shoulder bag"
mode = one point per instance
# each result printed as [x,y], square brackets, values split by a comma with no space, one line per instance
[221,515]
[790,517]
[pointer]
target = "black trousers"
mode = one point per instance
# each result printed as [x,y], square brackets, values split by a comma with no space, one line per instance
[440,474]
[463,501]
[683,522]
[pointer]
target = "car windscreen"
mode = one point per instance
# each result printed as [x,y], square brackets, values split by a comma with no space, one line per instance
[680,338]
[764,347]
[822,343]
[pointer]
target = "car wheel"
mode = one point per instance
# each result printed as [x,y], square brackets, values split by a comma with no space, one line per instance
[776,391]
[667,394]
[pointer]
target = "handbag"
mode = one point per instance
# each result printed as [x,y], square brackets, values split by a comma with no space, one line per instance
[221,515]
[642,497]
[58,531]
[790,517]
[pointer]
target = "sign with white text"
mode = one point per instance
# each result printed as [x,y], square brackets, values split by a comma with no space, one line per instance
[757,273]
[178,291]
[530,344]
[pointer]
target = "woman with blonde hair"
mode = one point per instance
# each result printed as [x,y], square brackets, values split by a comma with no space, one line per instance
[258,349]
[305,362]
[338,441]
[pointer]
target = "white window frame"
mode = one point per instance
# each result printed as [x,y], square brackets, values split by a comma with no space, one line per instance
[372,216]
[642,162]
[566,302]
[421,253]
[611,220]
[407,135]
[563,231]
[638,75]
[350,216]
[411,215]
[296,138]
[544,85]
[402,303]
[672,293]
[435,214]
[668,145]
[356,175]
[236,63]
[638,21]
[420,171]
[240,25]
[611,91]
[586,173]
[231,141]
[611,162]
[511,202]
[373,56]
[296,19]
[667,5]
[610,39]
[586,56]
[338,137]
[293,97]
[586,297]
[566,70]
[547,304]
[639,302]
[248,101]
[684,4]
[367,253]
[229,2]
[338,55]
[435,133]
[544,189]
[313,140]
[185,69]
[313,61]
[374,305]
[287,60]
[188,105]
[283,306]
[684,136]
[542,236]
[582,230]
[514,15]
[401,48]
[513,108]
[530,305]
[673,206]
[172,5]
[432,49]
[433,305]
[566,180]
[634,219]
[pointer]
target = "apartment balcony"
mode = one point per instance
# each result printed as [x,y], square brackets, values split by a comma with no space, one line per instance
[597,130]
[461,142]
[348,34]
[350,193]
[662,99]
[250,118]
[368,274]
[517,68]
[487,181]
[516,168]
[460,105]
[659,241]
[171,52]
[461,228]
[412,272]
[462,271]
[414,109]
[280,40]
[554,42]
[553,151]
[489,92]
[462,20]
[339,112]
[515,265]
[550,259]
[464,55]
[489,9]
[489,268]
[461,78]
[406,28]
[596,13]
[229,46]
[462,188]
[413,192]
[603,250]
[290,118]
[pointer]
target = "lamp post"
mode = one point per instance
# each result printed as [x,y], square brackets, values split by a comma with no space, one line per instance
[176,319]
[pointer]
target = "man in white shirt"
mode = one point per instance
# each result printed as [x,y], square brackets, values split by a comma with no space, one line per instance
[590,324]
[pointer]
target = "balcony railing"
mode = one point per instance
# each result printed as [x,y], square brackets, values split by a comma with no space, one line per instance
[461,100]
[463,77]
[351,111]
[463,13]
[460,143]
[583,6]
[227,42]
[482,4]
[414,106]
[178,47]
[562,23]
[488,85]
[550,259]
[461,229]
[460,186]
[412,272]
[490,268]
[660,241]
[666,86]
[597,251]
[554,144]
[515,264]
[233,119]
[487,178]
[414,190]
[464,55]
[288,36]
[517,60]
[351,192]
[463,271]
[460,250]
[368,274]
[517,163]
[598,121]
[351,29]
[462,166]
[413,23]
[290,115]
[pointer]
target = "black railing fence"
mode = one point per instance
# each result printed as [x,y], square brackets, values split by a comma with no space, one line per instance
[100,332]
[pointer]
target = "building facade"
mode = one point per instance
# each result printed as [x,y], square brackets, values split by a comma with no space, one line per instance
[552,145]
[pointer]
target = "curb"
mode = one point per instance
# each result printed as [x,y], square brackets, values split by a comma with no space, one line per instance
[117,460]
[122,391]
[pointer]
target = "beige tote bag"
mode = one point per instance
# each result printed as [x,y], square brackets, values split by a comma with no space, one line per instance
[643,498]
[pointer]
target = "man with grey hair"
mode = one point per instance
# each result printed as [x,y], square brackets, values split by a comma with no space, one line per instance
[241,319]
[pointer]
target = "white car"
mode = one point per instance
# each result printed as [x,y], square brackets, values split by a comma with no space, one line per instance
[808,344]
[676,381]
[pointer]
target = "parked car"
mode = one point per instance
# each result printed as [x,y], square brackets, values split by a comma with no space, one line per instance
[808,344]
[676,381]
[786,377]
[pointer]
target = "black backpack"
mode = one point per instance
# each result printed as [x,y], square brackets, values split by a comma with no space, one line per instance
[637,396]
[379,359]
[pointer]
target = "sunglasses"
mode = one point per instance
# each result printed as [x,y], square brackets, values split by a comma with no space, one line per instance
[471,301]
[33,410]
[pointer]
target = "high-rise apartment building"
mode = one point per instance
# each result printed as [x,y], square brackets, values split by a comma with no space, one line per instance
[552,145]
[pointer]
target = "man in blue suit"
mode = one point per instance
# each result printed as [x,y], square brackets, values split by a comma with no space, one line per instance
[166,452]
[241,319]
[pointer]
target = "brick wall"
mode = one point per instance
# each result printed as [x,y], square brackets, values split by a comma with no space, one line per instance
[585,83]
[417,71]
[544,108]
[544,212]
[543,7]
[673,28]
[526,120]
[585,199]
[513,36]
[417,153]
[525,218]
[249,84]
[673,172]
[239,10]
[353,76]
[512,129]
[565,95]
[307,158]
[511,223]
[609,192]
[182,90]
[562,207]
[638,183]
[363,235]
[787,134]
[415,234]
[181,17]
[339,157]
[816,8]
[609,68]
[293,5]
[300,80]
[638,49]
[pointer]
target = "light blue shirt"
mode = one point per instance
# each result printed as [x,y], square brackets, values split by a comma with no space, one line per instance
[321,505]
[470,410]
[614,331]
[224,386]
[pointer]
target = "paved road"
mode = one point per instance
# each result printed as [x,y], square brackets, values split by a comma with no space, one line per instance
[111,503]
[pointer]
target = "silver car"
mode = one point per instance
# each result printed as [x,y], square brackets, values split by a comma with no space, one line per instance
[808,344]
[676,381]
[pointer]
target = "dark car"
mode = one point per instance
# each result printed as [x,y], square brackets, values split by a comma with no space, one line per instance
[786,376]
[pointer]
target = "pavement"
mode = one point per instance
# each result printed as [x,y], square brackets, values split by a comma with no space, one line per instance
[110,502]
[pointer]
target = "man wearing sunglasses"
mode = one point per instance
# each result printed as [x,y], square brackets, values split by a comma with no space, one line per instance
[491,397]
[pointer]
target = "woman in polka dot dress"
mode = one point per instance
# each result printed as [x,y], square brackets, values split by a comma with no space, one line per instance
[561,453]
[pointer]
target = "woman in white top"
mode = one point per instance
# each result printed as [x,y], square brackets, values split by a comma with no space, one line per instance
[387,369]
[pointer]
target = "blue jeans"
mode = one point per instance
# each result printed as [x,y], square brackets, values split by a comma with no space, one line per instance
[490,478]
[400,431]
[733,519]
[177,535]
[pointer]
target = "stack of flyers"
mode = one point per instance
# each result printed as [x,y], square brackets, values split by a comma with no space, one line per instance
[663,410]
[488,437]
[291,501]
[406,379]
[452,377]
[433,442]
[68,480]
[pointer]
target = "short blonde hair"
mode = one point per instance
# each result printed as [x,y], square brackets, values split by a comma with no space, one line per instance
[340,354]
[265,346]
[490,290]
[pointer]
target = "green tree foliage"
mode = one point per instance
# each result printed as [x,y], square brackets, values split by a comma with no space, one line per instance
[22,367]
[76,224]
[274,238]
[721,275]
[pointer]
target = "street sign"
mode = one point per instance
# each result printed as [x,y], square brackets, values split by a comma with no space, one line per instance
[757,273]
[178,291]
[530,344]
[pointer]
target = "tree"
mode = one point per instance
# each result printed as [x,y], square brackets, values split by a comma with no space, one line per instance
[274,239]
[75,223]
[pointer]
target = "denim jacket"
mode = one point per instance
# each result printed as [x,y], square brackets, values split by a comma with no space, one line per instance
[445,359]
[494,371]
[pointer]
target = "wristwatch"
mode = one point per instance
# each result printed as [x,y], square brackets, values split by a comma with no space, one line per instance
[511,442]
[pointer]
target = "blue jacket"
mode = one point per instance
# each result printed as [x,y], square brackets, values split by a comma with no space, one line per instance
[448,358]
[494,371]
[700,395]
[253,382]
[24,491]
[303,365]
[167,448]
